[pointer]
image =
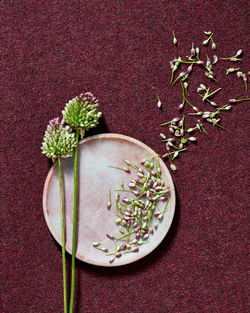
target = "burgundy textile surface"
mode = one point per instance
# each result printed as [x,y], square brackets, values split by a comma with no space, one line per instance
[54,50]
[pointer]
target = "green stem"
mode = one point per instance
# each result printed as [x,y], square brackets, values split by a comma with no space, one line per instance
[245,99]
[62,235]
[72,291]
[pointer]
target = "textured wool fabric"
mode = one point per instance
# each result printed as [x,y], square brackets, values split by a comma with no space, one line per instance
[53,50]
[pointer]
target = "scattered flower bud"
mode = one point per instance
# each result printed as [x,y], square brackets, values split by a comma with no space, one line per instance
[215,59]
[239,52]
[173,167]
[192,139]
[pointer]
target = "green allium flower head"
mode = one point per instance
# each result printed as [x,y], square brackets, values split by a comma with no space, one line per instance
[59,140]
[82,112]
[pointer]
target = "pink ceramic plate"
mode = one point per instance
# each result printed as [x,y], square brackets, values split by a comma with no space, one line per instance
[95,180]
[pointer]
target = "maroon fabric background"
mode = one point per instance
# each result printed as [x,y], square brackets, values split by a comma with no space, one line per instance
[52,51]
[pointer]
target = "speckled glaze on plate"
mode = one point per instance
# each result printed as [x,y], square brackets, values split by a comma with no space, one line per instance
[95,179]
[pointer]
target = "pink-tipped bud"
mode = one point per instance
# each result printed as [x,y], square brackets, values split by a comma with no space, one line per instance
[126,200]
[181,106]
[189,69]
[167,146]
[239,52]
[137,236]
[232,101]
[244,76]
[110,236]
[205,116]
[152,199]
[145,237]
[164,198]
[192,139]
[118,254]
[156,226]
[195,109]
[192,52]
[171,64]
[109,205]
[123,246]
[176,119]
[111,260]
[150,182]
[135,249]
[154,173]
[127,170]
[131,185]
[159,217]
[136,193]
[200,62]
[151,231]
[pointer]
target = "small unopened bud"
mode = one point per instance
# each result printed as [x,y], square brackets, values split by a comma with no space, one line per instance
[205,42]
[159,104]
[228,107]
[109,205]
[213,46]
[239,74]
[110,236]
[173,167]
[96,244]
[181,106]
[176,119]
[131,185]
[232,101]
[192,50]
[135,249]
[111,260]
[239,52]
[163,136]
[189,69]
[244,76]
[215,59]
[192,139]
[159,217]
[200,62]
[195,109]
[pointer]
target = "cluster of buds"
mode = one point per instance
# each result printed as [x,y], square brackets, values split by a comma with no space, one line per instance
[234,58]
[82,112]
[179,136]
[210,38]
[207,94]
[138,212]
[179,143]
[59,140]
[244,77]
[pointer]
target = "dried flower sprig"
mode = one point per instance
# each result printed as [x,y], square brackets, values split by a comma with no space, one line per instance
[82,114]
[234,58]
[138,212]
[59,142]
[174,39]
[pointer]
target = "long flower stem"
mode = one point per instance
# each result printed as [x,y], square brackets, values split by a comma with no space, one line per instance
[72,291]
[62,235]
